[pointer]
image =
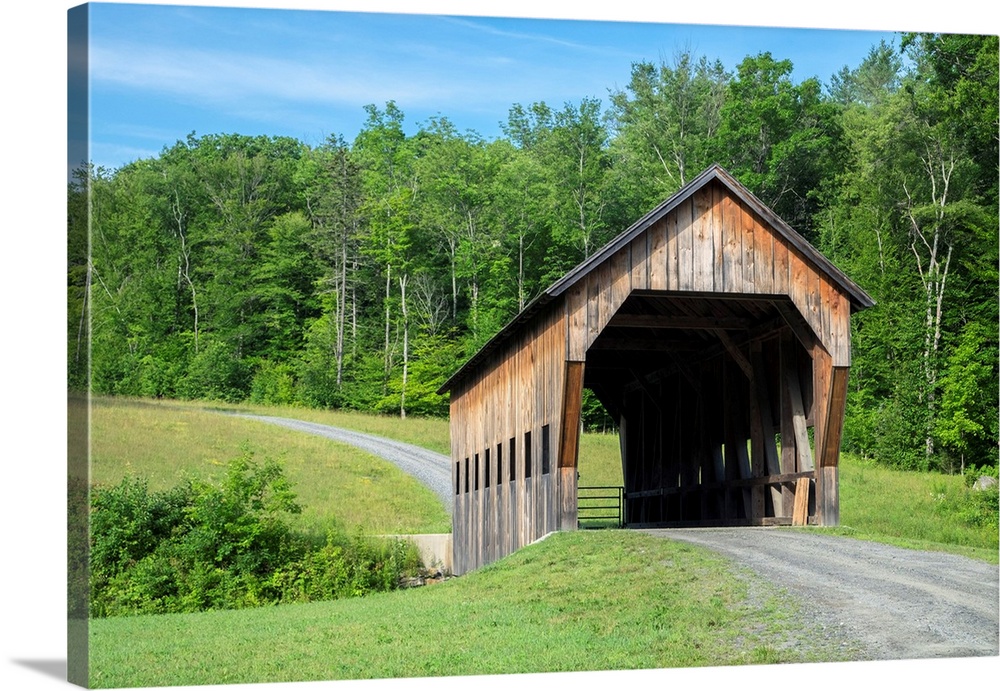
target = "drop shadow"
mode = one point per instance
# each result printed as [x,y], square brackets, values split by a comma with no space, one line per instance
[50,668]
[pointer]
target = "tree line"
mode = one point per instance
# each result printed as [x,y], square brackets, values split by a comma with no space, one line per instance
[360,274]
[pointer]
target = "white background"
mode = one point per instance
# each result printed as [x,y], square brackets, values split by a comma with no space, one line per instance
[32,340]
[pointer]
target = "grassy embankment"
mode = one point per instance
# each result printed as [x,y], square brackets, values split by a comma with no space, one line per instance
[576,601]
[164,442]
[603,600]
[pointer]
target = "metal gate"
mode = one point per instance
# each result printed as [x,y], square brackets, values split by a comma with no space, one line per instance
[600,507]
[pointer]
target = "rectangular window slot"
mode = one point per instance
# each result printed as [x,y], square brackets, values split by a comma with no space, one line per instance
[527,455]
[512,461]
[545,450]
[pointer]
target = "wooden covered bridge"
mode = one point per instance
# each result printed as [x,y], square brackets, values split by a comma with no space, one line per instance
[712,332]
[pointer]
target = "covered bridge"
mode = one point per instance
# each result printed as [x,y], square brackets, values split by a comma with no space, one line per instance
[712,332]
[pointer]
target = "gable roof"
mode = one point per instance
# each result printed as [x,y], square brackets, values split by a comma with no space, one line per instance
[858,298]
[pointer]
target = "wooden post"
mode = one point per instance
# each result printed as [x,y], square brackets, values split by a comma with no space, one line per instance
[569,445]
[828,448]
[800,512]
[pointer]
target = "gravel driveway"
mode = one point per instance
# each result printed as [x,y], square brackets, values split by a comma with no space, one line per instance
[897,603]
[430,468]
[893,603]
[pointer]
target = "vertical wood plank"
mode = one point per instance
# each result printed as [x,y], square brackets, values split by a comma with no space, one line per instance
[781,268]
[685,247]
[576,323]
[718,241]
[828,496]
[800,511]
[640,262]
[658,251]
[703,242]
[763,256]
[749,250]
[732,241]
[621,279]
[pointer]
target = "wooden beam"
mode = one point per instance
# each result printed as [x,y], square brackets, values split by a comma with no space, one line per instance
[645,389]
[572,405]
[802,449]
[736,354]
[797,323]
[655,321]
[833,429]
[827,496]
[800,512]
[765,481]
[763,409]
[655,345]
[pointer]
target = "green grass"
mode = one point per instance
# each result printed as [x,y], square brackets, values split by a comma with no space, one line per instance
[910,509]
[164,442]
[429,433]
[604,600]
[593,600]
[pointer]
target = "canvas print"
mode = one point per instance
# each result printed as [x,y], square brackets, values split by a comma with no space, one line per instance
[456,347]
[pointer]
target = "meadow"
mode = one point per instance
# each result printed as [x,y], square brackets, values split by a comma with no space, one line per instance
[583,601]
[587,600]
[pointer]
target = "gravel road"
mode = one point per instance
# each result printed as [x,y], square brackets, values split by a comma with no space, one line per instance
[889,602]
[896,603]
[430,468]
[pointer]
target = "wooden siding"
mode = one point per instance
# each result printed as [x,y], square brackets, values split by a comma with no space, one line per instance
[709,330]
[725,248]
[521,396]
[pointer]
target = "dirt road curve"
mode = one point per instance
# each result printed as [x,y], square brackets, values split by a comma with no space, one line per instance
[897,603]
[430,468]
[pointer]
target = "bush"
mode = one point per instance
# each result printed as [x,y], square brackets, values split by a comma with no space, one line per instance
[205,546]
[273,384]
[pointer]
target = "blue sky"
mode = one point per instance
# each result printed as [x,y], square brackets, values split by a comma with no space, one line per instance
[159,72]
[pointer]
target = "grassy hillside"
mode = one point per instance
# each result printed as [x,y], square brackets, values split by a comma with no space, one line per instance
[590,600]
[917,510]
[164,442]
[595,600]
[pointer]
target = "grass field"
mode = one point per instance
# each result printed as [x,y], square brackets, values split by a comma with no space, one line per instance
[164,442]
[590,600]
[600,600]
[910,509]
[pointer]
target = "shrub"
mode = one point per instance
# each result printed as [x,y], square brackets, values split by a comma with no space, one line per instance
[207,546]
[273,384]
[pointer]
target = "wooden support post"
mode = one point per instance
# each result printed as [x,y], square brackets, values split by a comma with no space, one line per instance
[833,426]
[828,448]
[803,451]
[757,466]
[800,512]
[827,496]
[769,464]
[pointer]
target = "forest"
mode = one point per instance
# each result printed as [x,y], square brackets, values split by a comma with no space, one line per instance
[361,273]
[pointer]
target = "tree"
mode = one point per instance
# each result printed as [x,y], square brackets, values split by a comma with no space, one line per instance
[388,186]
[778,138]
[968,416]
[331,181]
[664,120]
[574,155]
